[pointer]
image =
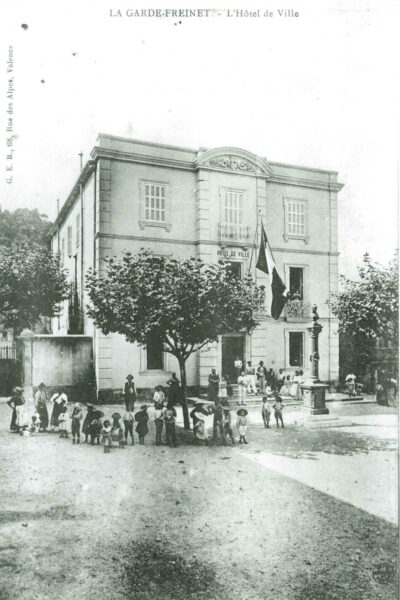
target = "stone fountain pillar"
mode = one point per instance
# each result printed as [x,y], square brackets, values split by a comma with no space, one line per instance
[313,390]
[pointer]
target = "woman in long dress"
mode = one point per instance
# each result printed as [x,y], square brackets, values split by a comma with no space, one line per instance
[295,389]
[287,386]
[41,407]
[17,399]
[199,429]
[59,399]
[174,393]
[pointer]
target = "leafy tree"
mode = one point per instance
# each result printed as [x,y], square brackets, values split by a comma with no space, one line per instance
[184,303]
[32,284]
[23,226]
[367,308]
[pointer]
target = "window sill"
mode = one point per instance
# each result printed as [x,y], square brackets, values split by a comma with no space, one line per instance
[288,237]
[166,226]
[154,372]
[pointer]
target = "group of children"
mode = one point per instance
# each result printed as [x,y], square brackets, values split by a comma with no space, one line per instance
[99,430]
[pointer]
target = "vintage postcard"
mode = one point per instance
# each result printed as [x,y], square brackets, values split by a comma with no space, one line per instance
[199,278]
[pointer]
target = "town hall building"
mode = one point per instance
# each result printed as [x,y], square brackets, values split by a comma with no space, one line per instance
[203,203]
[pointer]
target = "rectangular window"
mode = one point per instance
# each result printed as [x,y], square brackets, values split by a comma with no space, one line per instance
[235,269]
[296,348]
[155,195]
[295,218]
[296,278]
[69,240]
[233,202]
[78,229]
[155,355]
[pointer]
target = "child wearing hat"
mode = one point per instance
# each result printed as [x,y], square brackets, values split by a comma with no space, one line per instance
[128,419]
[169,418]
[141,418]
[76,418]
[241,424]
[87,420]
[265,412]
[278,407]
[96,427]
[129,393]
[106,436]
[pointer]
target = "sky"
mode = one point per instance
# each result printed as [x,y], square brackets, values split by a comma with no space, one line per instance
[319,90]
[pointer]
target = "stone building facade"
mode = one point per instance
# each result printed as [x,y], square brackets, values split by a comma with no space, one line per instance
[205,203]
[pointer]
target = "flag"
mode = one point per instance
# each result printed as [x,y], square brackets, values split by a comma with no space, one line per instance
[266,264]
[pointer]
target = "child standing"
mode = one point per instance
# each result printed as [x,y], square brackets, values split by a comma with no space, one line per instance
[106,435]
[117,433]
[223,389]
[228,425]
[278,407]
[128,419]
[241,424]
[76,418]
[141,418]
[62,422]
[265,412]
[35,423]
[159,421]
[159,396]
[86,423]
[169,417]
[96,427]
[242,382]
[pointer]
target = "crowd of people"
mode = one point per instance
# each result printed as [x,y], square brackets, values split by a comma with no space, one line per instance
[68,419]
[32,417]
[255,381]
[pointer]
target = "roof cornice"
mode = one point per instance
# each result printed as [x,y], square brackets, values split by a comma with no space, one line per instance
[82,179]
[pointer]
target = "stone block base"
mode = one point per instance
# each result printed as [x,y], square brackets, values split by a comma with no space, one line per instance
[309,410]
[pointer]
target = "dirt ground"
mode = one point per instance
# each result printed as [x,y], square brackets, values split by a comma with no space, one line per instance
[184,523]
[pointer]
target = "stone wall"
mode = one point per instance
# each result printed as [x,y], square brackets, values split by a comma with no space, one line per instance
[60,362]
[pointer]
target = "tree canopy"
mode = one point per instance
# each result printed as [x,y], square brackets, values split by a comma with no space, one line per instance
[368,307]
[184,303]
[32,284]
[23,226]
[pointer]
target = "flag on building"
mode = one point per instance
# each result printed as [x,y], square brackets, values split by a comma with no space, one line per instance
[266,264]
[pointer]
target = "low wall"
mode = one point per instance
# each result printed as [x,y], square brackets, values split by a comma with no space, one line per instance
[60,362]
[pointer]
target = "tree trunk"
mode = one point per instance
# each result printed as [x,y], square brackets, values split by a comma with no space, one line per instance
[185,411]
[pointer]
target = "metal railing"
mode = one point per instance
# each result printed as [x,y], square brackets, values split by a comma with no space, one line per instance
[297,309]
[229,232]
[7,351]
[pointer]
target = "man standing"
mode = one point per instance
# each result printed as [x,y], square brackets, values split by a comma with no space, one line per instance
[129,393]
[238,366]
[213,386]
[261,376]
[242,382]
[271,380]
[251,378]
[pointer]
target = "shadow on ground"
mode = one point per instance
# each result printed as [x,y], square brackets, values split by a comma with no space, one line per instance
[151,571]
[298,442]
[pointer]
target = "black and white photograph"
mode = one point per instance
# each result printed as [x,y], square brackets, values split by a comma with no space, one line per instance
[199,278]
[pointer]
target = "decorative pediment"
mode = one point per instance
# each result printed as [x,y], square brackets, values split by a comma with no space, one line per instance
[235,160]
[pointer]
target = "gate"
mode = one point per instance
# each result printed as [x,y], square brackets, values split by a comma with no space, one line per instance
[9,368]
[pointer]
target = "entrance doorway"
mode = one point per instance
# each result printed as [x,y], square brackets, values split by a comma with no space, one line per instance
[233,347]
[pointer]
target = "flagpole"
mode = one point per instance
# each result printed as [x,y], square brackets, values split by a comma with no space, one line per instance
[254,244]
